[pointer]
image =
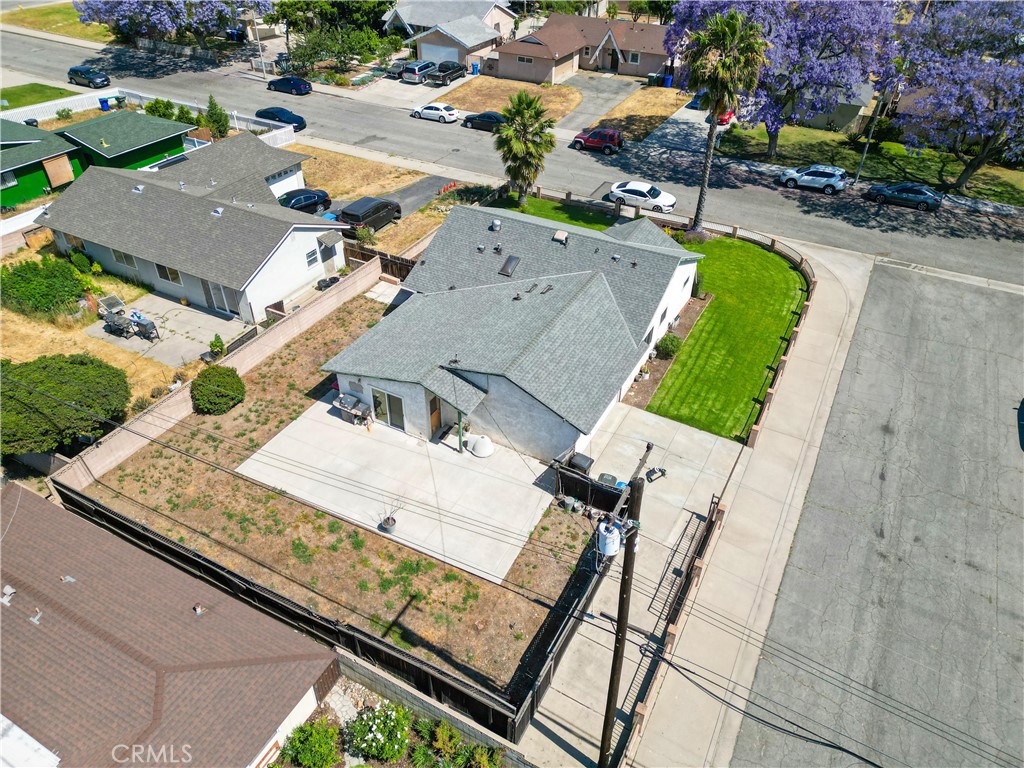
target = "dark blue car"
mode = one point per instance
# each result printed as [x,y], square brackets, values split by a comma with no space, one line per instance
[290,84]
[282,115]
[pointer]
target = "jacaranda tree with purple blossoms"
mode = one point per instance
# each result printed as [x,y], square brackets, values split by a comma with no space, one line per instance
[965,74]
[821,52]
[161,19]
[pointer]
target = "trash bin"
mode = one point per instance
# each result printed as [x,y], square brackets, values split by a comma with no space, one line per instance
[105,105]
[652,78]
[31,121]
[122,101]
[668,81]
[476,67]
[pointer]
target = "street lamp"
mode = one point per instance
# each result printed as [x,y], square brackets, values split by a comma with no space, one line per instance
[259,46]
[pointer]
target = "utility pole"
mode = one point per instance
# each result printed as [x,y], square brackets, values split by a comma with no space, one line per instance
[636,493]
[871,132]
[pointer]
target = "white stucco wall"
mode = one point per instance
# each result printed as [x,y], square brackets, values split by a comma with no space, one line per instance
[284,275]
[501,20]
[289,180]
[414,400]
[299,715]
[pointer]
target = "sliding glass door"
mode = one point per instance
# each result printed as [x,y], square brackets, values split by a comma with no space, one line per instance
[389,409]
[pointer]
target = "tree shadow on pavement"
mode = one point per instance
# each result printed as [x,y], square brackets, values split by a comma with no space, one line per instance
[121,61]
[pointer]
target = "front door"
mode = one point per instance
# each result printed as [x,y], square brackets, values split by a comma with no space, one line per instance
[435,414]
[615,60]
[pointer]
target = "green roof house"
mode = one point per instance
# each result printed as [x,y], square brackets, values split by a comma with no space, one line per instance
[126,139]
[33,162]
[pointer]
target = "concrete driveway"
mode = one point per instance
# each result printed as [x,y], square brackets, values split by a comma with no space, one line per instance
[600,94]
[185,332]
[398,93]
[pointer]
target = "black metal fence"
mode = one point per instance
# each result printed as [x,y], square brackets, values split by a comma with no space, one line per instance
[241,340]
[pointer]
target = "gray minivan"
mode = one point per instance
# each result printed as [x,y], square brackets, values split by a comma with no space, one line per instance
[371,213]
[417,71]
[88,76]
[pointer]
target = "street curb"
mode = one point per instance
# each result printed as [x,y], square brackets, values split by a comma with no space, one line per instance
[65,39]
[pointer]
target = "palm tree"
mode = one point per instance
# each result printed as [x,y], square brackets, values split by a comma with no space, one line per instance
[523,140]
[724,59]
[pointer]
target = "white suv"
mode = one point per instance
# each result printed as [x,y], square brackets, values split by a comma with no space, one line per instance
[828,178]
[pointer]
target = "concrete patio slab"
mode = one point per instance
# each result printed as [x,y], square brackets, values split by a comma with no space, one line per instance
[475,514]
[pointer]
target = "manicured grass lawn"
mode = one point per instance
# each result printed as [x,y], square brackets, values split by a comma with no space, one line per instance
[61,19]
[802,146]
[32,93]
[721,370]
[550,209]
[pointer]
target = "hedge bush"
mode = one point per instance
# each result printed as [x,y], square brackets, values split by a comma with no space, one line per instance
[39,286]
[698,283]
[668,346]
[216,390]
[381,733]
[81,262]
[312,745]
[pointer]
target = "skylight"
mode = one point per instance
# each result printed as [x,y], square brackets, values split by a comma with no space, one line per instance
[509,266]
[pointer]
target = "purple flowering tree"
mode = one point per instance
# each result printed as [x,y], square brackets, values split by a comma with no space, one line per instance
[159,19]
[965,74]
[821,52]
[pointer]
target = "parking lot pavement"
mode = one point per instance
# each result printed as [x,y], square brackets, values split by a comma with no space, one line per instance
[396,93]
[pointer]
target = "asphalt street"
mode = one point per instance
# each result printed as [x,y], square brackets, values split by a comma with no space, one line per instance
[955,240]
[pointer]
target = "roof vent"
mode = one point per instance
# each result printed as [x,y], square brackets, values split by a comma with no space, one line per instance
[67,579]
[181,186]
[217,212]
[480,249]
[451,287]
[250,205]
[548,288]
[532,288]
[561,236]
[615,257]
[103,142]
[138,188]
[213,182]
[234,199]
[8,594]
[199,609]
[496,225]
[497,248]
[35,619]
[517,297]
[633,263]
[455,360]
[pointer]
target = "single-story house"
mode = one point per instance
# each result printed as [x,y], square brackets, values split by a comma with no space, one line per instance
[411,17]
[566,44]
[126,139]
[34,162]
[222,243]
[850,115]
[467,40]
[112,656]
[529,329]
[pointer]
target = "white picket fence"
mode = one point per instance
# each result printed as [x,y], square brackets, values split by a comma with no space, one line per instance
[48,109]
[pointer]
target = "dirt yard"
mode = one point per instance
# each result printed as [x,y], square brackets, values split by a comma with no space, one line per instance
[643,111]
[492,93]
[346,177]
[187,490]
[77,117]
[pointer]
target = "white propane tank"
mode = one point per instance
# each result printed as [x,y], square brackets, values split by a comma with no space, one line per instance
[609,538]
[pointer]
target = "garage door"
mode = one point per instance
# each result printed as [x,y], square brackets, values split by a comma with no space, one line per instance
[437,53]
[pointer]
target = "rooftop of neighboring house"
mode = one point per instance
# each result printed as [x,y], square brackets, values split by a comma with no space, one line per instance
[563,34]
[22,145]
[427,13]
[102,645]
[122,131]
[469,31]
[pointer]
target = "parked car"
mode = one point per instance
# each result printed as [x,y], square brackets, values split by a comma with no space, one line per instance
[282,115]
[726,117]
[694,103]
[443,113]
[88,76]
[446,72]
[643,194]
[484,121]
[907,193]
[606,140]
[828,178]
[417,71]
[290,84]
[370,213]
[306,200]
[396,69]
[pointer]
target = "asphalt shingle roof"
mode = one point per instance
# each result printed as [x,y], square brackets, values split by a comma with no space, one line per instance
[22,144]
[242,159]
[562,34]
[122,131]
[470,31]
[427,13]
[120,657]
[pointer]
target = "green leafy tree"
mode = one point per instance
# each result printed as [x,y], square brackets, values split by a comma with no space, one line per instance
[184,115]
[160,108]
[662,9]
[523,141]
[46,285]
[316,45]
[48,402]
[723,59]
[638,8]
[217,119]
[216,390]
[312,745]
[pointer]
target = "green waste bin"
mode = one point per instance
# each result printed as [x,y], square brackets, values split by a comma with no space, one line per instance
[121,101]
[652,79]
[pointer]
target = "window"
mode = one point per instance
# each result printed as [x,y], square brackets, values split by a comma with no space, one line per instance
[634,57]
[649,336]
[586,50]
[311,259]
[74,242]
[524,59]
[664,314]
[125,259]
[169,274]
[8,180]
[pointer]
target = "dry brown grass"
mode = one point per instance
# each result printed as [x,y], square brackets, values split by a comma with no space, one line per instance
[344,176]
[491,93]
[77,117]
[28,205]
[398,237]
[643,111]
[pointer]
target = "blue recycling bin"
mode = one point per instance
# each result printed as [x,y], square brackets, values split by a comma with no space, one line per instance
[668,81]
[476,67]
[104,105]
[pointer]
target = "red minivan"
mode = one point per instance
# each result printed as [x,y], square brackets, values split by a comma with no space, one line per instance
[606,140]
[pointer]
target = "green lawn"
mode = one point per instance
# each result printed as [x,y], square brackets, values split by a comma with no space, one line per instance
[550,209]
[720,373]
[802,146]
[32,93]
[61,19]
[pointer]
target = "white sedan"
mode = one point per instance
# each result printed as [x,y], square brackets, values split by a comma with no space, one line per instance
[644,195]
[443,113]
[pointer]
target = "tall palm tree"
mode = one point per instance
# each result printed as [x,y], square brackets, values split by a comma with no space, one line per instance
[724,60]
[523,140]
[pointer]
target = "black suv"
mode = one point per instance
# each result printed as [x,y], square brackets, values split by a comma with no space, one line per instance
[446,72]
[371,213]
[88,76]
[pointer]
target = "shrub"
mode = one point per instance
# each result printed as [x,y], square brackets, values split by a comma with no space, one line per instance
[424,728]
[691,236]
[157,392]
[887,129]
[217,119]
[39,286]
[668,346]
[342,81]
[217,345]
[422,756]
[161,108]
[216,390]
[366,236]
[854,139]
[447,740]
[698,283]
[139,404]
[381,733]
[64,113]
[184,115]
[81,262]
[312,745]
[96,268]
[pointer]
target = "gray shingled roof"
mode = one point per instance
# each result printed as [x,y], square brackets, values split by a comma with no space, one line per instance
[22,144]
[242,160]
[469,31]
[452,258]
[427,13]
[173,228]
[568,347]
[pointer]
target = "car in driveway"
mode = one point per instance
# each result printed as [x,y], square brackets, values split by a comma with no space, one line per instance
[694,103]
[443,113]
[828,178]
[290,84]
[88,76]
[369,213]
[484,121]
[306,200]
[417,71]
[394,72]
[446,72]
[606,140]
[644,195]
[907,193]
[282,115]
